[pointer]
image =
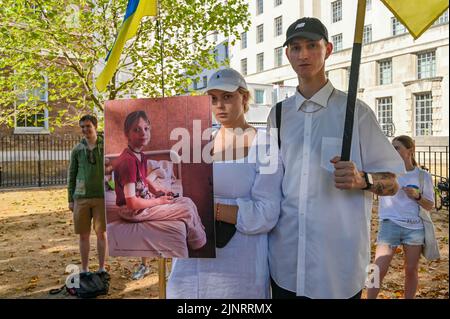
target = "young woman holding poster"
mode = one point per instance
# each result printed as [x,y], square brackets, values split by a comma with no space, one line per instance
[246,197]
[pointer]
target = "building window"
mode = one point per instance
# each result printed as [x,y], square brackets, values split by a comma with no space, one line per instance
[336,11]
[244,66]
[368,5]
[259,96]
[260,62]
[277,3]
[337,42]
[30,120]
[442,19]
[385,72]
[397,26]
[367,34]
[278,54]
[426,65]
[424,114]
[278,26]
[243,40]
[216,55]
[205,81]
[259,6]
[260,33]
[195,84]
[384,111]
[226,49]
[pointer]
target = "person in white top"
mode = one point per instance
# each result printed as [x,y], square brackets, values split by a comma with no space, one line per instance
[400,223]
[320,247]
[245,195]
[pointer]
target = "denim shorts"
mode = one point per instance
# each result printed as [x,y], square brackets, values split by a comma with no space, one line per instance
[389,233]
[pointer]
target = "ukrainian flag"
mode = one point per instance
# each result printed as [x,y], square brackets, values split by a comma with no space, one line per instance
[136,9]
[417,15]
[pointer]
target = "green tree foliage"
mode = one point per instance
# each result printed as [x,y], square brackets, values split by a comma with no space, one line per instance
[66,42]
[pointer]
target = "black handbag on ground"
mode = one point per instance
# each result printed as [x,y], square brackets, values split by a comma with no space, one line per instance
[224,233]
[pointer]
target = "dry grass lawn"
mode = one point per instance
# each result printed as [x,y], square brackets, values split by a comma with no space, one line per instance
[37,243]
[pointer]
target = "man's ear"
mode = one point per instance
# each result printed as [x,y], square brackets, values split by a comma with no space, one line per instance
[329,49]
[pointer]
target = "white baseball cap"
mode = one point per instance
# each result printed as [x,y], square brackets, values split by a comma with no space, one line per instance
[228,80]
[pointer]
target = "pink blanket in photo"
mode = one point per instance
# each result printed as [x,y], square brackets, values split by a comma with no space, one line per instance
[180,209]
[147,239]
[163,238]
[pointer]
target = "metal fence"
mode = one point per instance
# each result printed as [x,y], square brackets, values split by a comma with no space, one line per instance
[35,160]
[435,160]
[43,160]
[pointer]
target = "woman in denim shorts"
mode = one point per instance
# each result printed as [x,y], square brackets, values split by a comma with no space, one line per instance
[400,223]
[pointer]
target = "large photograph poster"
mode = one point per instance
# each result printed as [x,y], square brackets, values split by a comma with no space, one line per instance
[145,167]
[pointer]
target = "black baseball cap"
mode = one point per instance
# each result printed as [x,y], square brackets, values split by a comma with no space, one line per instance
[307,27]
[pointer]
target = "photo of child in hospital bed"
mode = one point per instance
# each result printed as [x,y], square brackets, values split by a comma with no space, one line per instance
[147,214]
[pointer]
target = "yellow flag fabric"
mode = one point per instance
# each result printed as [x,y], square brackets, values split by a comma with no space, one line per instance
[136,10]
[416,15]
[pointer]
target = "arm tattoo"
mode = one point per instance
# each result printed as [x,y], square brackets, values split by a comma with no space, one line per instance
[384,184]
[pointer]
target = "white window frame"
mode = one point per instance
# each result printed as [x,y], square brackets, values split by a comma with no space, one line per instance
[278,26]
[260,62]
[25,129]
[278,57]
[385,114]
[442,19]
[397,27]
[427,70]
[423,107]
[260,93]
[244,39]
[367,34]
[336,11]
[244,66]
[335,41]
[385,66]
[260,33]
[259,7]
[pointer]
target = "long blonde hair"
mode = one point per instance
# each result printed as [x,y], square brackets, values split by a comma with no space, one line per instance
[408,143]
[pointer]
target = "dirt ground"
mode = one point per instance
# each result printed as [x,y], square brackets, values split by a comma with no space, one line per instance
[37,243]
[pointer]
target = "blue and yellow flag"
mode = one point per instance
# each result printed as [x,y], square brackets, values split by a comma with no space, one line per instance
[416,15]
[136,9]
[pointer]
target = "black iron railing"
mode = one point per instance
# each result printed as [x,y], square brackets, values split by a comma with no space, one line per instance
[35,160]
[435,160]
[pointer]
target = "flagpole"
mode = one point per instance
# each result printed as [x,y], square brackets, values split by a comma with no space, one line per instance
[161,260]
[353,81]
[160,35]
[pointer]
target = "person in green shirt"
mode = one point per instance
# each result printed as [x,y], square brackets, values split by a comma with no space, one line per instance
[86,193]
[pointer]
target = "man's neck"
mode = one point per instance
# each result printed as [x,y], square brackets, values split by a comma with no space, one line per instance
[309,87]
[91,141]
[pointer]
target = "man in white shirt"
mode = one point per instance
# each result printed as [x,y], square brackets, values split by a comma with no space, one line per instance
[320,247]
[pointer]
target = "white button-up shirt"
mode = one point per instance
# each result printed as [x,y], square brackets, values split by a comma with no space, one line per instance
[320,247]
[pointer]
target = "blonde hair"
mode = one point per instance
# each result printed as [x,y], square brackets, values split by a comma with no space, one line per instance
[408,143]
[247,103]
